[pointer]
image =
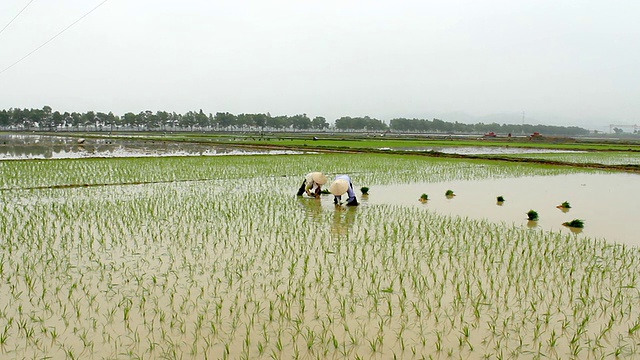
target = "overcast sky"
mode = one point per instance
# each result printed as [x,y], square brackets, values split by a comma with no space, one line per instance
[560,62]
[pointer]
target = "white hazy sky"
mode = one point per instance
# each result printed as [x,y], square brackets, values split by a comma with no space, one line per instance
[573,62]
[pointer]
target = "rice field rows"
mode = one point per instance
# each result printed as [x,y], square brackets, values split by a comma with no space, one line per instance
[604,158]
[370,169]
[240,268]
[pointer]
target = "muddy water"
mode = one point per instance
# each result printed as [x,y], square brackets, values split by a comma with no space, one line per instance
[609,204]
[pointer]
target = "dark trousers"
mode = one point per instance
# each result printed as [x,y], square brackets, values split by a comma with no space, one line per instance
[301,190]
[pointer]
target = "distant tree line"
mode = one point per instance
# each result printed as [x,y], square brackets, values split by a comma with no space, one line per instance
[47,119]
[436,125]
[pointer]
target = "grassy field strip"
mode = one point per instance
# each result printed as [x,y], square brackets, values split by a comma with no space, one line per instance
[605,158]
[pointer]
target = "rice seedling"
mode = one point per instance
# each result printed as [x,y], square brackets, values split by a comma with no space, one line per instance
[424,198]
[218,267]
[532,215]
[500,199]
[364,190]
[564,205]
[449,193]
[575,223]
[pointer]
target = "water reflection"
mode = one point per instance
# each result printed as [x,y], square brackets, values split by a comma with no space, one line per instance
[312,207]
[20,147]
[343,219]
[574,229]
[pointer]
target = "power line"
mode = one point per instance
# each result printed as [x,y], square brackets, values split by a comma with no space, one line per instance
[51,39]
[20,12]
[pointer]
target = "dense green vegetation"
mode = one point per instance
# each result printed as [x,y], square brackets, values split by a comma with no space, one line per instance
[48,119]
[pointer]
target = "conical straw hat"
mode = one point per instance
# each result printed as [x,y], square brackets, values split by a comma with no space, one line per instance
[319,178]
[339,187]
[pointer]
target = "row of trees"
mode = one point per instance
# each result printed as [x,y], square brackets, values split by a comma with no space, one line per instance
[47,119]
[419,125]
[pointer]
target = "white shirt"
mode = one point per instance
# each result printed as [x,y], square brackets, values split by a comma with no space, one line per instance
[309,184]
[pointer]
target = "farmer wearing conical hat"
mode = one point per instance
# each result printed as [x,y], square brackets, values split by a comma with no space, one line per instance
[312,183]
[342,184]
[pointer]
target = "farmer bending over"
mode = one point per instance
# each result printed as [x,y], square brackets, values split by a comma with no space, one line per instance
[312,183]
[340,185]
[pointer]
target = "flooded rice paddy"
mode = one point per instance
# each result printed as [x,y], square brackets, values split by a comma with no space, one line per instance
[23,147]
[216,258]
[607,202]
